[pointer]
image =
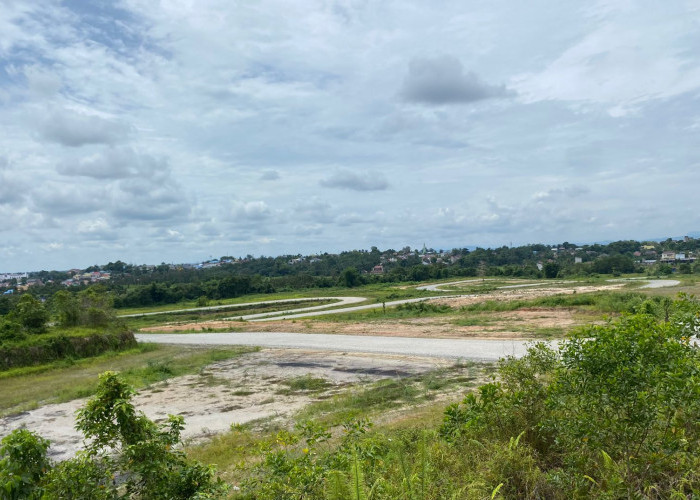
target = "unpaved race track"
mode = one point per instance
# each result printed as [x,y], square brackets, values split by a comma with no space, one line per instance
[467,349]
[338,306]
[337,302]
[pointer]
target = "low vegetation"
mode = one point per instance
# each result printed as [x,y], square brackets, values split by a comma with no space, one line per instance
[42,349]
[69,326]
[604,302]
[127,456]
[146,364]
[612,413]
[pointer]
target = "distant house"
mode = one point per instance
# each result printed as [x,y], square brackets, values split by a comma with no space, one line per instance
[13,276]
[377,270]
[668,257]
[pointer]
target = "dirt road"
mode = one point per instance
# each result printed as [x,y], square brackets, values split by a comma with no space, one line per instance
[467,349]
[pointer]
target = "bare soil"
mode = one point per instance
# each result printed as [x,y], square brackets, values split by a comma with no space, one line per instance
[236,391]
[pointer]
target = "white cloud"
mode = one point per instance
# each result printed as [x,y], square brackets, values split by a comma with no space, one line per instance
[76,129]
[618,64]
[355,180]
[92,226]
[43,82]
[116,163]
[213,126]
[251,211]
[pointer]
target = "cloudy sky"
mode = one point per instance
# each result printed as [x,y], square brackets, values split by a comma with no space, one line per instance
[175,130]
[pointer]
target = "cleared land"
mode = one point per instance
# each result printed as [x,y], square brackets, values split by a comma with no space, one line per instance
[379,319]
[215,388]
[264,387]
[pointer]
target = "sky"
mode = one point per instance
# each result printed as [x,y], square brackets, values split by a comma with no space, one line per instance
[175,131]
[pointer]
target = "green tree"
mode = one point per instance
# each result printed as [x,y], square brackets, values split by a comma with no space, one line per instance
[660,269]
[96,307]
[350,277]
[66,308]
[613,264]
[6,304]
[10,330]
[31,314]
[612,413]
[551,270]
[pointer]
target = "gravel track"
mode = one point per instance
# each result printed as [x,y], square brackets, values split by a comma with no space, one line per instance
[338,306]
[467,349]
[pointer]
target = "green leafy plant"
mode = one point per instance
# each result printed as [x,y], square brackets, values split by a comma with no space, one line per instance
[23,464]
[127,456]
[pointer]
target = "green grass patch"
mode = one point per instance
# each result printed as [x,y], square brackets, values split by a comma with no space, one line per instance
[376,292]
[604,302]
[477,320]
[304,383]
[386,394]
[409,310]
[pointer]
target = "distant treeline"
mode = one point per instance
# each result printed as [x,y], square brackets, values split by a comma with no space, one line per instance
[228,277]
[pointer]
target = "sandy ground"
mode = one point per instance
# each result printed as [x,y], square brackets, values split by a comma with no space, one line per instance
[508,325]
[236,391]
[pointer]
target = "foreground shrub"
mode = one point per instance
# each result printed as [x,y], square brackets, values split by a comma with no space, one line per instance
[23,464]
[615,411]
[127,456]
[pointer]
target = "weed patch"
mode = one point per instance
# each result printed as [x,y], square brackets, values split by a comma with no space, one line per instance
[304,383]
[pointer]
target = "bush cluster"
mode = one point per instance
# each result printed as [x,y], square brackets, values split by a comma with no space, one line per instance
[34,332]
[46,348]
[612,413]
[127,456]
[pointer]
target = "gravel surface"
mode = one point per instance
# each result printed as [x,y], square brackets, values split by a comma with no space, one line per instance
[467,349]
[661,283]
